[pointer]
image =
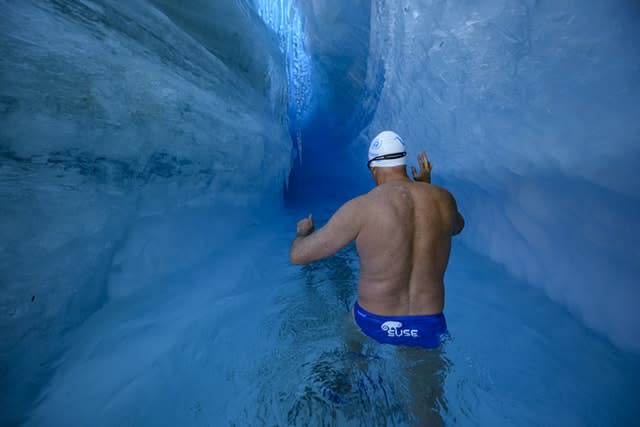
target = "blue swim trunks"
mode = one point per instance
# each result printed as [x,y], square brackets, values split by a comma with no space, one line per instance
[415,331]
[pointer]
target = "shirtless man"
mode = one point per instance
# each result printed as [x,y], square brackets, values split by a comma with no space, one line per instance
[403,233]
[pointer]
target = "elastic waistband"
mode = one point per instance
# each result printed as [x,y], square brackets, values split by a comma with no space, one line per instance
[359,310]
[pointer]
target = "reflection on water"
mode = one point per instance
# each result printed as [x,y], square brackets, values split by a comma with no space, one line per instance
[263,343]
[323,371]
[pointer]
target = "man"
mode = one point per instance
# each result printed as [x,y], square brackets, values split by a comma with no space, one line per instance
[403,233]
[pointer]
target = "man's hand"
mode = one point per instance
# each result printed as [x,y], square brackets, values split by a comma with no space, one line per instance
[305,226]
[425,169]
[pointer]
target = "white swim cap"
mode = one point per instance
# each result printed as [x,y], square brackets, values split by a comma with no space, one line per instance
[387,150]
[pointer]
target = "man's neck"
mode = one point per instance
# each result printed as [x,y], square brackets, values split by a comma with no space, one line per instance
[385,175]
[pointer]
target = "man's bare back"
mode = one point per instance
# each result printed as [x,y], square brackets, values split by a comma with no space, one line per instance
[404,247]
[403,233]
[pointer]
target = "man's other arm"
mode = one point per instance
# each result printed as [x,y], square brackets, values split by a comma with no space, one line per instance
[342,228]
[458,221]
[458,224]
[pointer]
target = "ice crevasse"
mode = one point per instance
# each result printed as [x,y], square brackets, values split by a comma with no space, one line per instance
[116,118]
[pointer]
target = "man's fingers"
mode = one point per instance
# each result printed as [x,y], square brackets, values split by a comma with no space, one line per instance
[415,173]
[304,227]
[423,160]
[305,220]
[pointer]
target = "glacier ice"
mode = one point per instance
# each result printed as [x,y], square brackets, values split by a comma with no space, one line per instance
[284,18]
[119,110]
[143,143]
[112,116]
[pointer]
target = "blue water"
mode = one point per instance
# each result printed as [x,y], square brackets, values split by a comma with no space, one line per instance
[257,341]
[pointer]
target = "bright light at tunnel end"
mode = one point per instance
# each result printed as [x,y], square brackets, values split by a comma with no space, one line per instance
[284,19]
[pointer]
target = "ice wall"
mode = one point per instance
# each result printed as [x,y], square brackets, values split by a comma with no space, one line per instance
[284,18]
[529,112]
[114,117]
[337,38]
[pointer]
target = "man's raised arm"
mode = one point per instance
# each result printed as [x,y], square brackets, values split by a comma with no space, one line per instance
[425,169]
[342,228]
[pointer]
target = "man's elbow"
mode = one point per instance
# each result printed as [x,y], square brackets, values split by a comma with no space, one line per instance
[297,258]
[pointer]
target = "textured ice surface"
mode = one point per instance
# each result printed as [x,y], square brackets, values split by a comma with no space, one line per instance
[113,116]
[178,350]
[337,34]
[123,93]
[284,18]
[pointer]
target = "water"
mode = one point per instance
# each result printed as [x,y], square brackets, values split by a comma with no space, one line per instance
[514,358]
[255,341]
[520,359]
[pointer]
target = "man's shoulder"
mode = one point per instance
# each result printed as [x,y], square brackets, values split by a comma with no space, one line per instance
[443,197]
[435,190]
[356,203]
[364,201]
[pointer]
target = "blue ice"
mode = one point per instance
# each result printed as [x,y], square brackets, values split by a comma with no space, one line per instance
[155,155]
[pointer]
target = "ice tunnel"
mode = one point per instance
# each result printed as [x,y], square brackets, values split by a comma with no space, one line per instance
[155,155]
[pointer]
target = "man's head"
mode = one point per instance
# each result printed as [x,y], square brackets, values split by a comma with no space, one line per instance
[387,150]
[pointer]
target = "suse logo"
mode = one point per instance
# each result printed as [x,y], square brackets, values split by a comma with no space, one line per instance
[393,329]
